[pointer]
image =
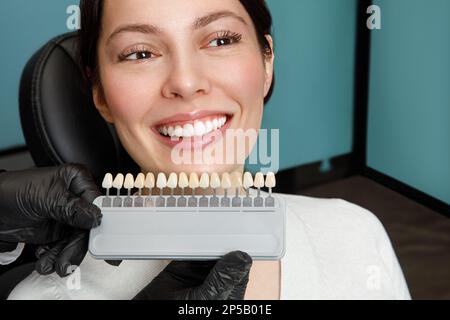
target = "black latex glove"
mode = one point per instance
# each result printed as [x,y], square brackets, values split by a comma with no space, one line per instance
[50,206]
[223,279]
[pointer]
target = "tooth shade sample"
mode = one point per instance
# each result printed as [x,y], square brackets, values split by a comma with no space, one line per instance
[259,180]
[161,181]
[118,181]
[107,181]
[248,180]
[129,181]
[183,181]
[270,180]
[236,180]
[226,180]
[215,181]
[193,180]
[204,180]
[139,182]
[172,181]
[150,180]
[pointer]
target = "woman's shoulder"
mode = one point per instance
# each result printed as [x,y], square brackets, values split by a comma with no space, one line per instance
[345,236]
[331,212]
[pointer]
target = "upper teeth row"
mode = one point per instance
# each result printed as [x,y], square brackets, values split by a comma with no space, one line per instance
[199,129]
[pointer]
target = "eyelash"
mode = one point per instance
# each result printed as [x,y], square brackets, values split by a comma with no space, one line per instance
[220,35]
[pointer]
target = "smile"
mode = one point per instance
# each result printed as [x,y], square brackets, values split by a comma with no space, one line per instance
[204,125]
[197,128]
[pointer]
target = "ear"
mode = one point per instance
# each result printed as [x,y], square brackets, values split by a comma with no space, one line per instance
[101,105]
[268,63]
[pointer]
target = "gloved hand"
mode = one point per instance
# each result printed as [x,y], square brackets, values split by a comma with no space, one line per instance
[223,279]
[51,206]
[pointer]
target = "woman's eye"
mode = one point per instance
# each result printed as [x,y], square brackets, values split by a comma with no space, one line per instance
[138,55]
[226,38]
[221,42]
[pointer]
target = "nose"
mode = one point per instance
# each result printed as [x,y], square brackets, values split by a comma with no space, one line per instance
[186,79]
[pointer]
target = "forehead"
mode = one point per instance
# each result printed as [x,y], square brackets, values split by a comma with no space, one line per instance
[166,14]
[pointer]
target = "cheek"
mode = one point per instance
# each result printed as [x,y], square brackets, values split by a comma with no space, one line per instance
[246,79]
[246,85]
[128,95]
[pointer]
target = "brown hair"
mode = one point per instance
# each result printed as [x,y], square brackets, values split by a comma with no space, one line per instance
[91,18]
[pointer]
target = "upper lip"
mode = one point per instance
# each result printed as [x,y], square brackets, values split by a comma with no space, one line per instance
[190,116]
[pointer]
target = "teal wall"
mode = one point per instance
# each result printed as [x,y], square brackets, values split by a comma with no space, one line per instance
[312,103]
[25,25]
[409,101]
[313,99]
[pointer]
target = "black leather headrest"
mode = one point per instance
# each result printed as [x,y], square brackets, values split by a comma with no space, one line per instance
[58,116]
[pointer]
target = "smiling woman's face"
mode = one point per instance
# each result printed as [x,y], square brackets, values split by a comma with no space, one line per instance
[176,66]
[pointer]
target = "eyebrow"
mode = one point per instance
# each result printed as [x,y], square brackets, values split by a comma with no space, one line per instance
[198,24]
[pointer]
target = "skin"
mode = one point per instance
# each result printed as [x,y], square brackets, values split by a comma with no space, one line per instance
[184,70]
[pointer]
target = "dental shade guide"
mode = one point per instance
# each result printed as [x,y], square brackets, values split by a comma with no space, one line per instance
[214,184]
[236,183]
[161,183]
[150,184]
[247,184]
[107,184]
[226,184]
[128,184]
[117,184]
[193,184]
[258,183]
[172,184]
[195,226]
[270,183]
[204,184]
[183,183]
[139,184]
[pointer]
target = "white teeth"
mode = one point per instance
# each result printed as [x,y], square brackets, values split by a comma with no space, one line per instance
[215,124]
[198,129]
[178,132]
[209,126]
[188,130]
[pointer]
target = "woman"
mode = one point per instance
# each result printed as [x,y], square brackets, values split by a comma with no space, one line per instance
[155,64]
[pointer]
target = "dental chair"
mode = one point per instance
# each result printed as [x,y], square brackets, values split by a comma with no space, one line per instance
[61,125]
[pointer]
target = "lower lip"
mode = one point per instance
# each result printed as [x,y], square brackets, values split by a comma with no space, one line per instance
[206,140]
